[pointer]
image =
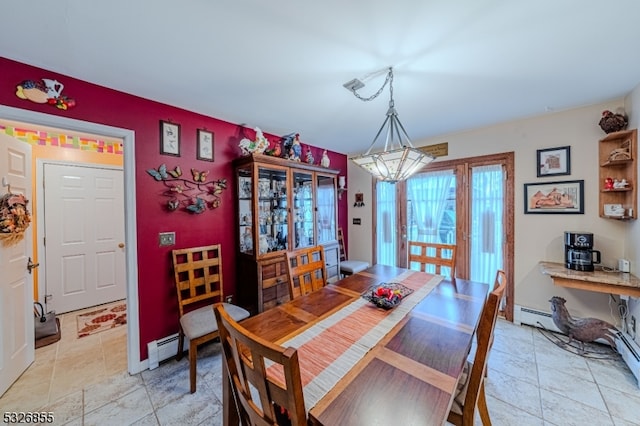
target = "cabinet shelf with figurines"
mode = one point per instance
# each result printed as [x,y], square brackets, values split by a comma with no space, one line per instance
[618,175]
[283,205]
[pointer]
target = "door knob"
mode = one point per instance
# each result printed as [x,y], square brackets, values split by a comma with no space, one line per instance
[31,265]
[121,245]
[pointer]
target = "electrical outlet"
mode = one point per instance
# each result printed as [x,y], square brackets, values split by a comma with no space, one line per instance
[167,238]
[228,299]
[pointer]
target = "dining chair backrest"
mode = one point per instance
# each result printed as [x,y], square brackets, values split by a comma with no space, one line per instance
[307,270]
[198,277]
[265,378]
[470,391]
[436,254]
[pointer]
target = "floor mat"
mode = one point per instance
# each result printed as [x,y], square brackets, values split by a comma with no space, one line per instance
[103,317]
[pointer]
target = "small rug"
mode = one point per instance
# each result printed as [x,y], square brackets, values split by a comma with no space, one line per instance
[101,318]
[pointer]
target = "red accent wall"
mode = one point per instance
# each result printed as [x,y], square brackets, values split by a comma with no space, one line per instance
[157,299]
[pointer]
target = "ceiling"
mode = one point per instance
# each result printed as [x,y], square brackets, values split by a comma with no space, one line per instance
[280,65]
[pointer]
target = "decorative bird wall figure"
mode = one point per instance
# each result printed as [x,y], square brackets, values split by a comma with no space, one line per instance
[584,330]
[611,122]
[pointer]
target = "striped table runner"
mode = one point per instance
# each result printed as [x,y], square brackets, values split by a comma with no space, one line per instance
[330,348]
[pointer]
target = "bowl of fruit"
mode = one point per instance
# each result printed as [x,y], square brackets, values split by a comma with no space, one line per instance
[387,295]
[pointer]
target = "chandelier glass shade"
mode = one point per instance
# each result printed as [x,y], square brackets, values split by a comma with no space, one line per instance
[399,159]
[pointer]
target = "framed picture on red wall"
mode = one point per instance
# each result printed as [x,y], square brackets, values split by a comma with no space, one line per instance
[205,145]
[169,138]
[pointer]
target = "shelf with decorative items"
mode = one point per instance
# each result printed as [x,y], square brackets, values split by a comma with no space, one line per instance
[282,205]
[618,175]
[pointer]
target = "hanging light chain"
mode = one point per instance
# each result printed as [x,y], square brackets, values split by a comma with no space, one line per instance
[375,95]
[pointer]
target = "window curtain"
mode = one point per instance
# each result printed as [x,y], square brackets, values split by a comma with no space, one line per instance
[386,244]
[428,193]
[487,239]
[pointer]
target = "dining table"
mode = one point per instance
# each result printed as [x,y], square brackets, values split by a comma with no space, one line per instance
[364,365]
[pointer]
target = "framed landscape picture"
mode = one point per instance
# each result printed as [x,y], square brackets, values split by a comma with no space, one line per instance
[554,197]
[554,161]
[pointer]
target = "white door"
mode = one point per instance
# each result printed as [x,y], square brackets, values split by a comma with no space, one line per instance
[84,236]
[17,345]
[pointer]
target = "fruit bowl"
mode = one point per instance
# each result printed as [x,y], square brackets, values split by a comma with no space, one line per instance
[387,295]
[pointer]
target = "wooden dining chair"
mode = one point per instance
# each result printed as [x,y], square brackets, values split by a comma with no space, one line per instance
[349,267]
[198,276]
[250,362]
[436,254]
[470,391]
[307,270]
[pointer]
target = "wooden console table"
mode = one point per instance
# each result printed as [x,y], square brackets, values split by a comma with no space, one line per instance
[621,283]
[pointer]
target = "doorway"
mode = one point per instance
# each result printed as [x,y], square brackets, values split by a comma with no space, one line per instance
[128,137]
[84,255]
[466,202]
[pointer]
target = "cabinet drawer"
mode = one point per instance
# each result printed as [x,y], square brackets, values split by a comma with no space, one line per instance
[273,272]
[275,295]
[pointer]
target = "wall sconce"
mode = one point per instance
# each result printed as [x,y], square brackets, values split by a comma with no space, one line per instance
[341,186]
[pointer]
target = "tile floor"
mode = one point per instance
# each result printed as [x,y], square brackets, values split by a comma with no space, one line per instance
[531,382]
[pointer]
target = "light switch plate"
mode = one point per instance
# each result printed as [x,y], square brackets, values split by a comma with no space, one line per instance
[167,238]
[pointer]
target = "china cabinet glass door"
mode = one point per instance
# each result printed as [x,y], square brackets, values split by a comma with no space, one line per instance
[245,204]
[326,208]
[303,210]
[273,209]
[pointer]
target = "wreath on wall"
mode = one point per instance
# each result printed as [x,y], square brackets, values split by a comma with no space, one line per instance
[14,218]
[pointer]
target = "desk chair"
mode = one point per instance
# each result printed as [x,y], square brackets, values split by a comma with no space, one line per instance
[198,276]
[307,270]
[470,391]
[438,255]
[349,267]
[275,400]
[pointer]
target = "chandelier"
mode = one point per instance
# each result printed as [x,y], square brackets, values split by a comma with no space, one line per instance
[399,159]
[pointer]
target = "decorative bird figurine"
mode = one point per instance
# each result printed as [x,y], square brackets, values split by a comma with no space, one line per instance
[325,162]
[584,330]
[309,156]
[611,122]
[287,142]
[296,149]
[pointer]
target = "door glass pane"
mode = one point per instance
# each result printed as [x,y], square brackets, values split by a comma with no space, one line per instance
[272,210]
[431,211]
[303,219]
[487,195]
[326,209]
[431,207]
[245,203]
[386,240]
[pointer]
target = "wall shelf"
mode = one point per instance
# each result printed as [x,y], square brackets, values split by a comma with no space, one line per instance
[617,154]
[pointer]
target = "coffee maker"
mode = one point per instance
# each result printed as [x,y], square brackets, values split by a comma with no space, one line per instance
[578,251]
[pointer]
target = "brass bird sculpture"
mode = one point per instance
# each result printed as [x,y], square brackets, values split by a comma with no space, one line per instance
[584,330]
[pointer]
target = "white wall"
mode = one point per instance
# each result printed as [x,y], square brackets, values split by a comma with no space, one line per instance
[537,236]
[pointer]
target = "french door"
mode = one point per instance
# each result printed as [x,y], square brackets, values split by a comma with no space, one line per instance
[466,202]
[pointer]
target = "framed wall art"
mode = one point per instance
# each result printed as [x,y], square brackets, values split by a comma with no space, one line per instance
[169,138]
[205,145]
[554,197]
[554,161]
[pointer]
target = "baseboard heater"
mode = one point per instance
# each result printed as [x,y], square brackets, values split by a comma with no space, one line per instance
[628,349]
[534,317]
[162,349]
